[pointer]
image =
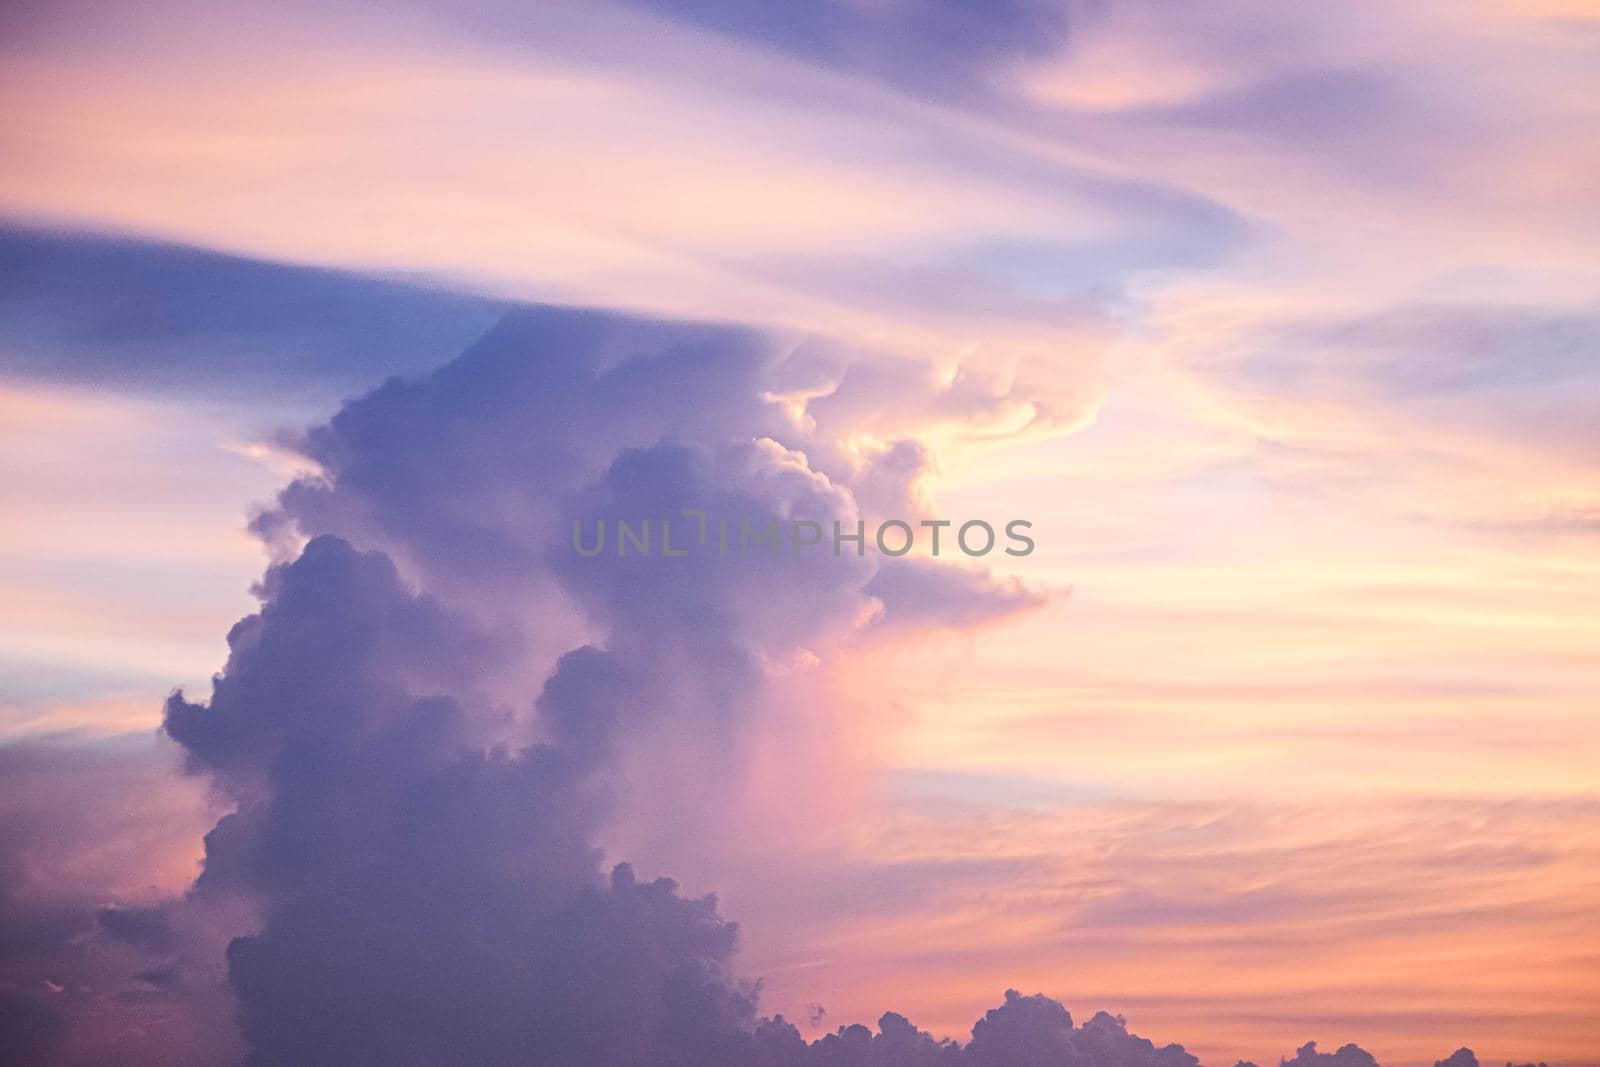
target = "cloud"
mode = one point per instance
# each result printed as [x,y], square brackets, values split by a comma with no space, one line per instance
[425,902]
[433,731]
[941,49]
[429,879]
[1315,104]
[1347,1056]
[473,475]
[747,184]
[90,309]
[93,834]
[1024,1031]
[675,169]
[1377,407]
[422,900]
[1427,350]
[954,598]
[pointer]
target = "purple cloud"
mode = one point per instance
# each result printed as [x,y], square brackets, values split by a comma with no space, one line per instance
[412,870]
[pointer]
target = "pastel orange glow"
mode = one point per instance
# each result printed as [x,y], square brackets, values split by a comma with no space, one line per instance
[1278,323]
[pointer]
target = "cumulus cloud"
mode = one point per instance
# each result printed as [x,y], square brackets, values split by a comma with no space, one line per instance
[426,737]
[429,881]
[422,900]
[471,477]
[1347,1056]
[1024,1031]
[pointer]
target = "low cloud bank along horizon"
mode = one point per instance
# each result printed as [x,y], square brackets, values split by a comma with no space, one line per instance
[436,747]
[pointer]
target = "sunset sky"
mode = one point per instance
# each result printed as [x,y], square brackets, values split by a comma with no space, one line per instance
[1279,322]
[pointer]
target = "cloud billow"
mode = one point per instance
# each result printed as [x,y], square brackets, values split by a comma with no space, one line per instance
[414,866]
[428,892]
[424,902]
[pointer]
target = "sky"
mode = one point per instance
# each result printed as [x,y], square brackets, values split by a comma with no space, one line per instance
[321,325]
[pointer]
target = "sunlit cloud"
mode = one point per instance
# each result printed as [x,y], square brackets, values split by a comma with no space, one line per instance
[1277,323]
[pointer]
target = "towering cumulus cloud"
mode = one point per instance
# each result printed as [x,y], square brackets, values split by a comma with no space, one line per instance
[424,859]
[424,901]
[442,720]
